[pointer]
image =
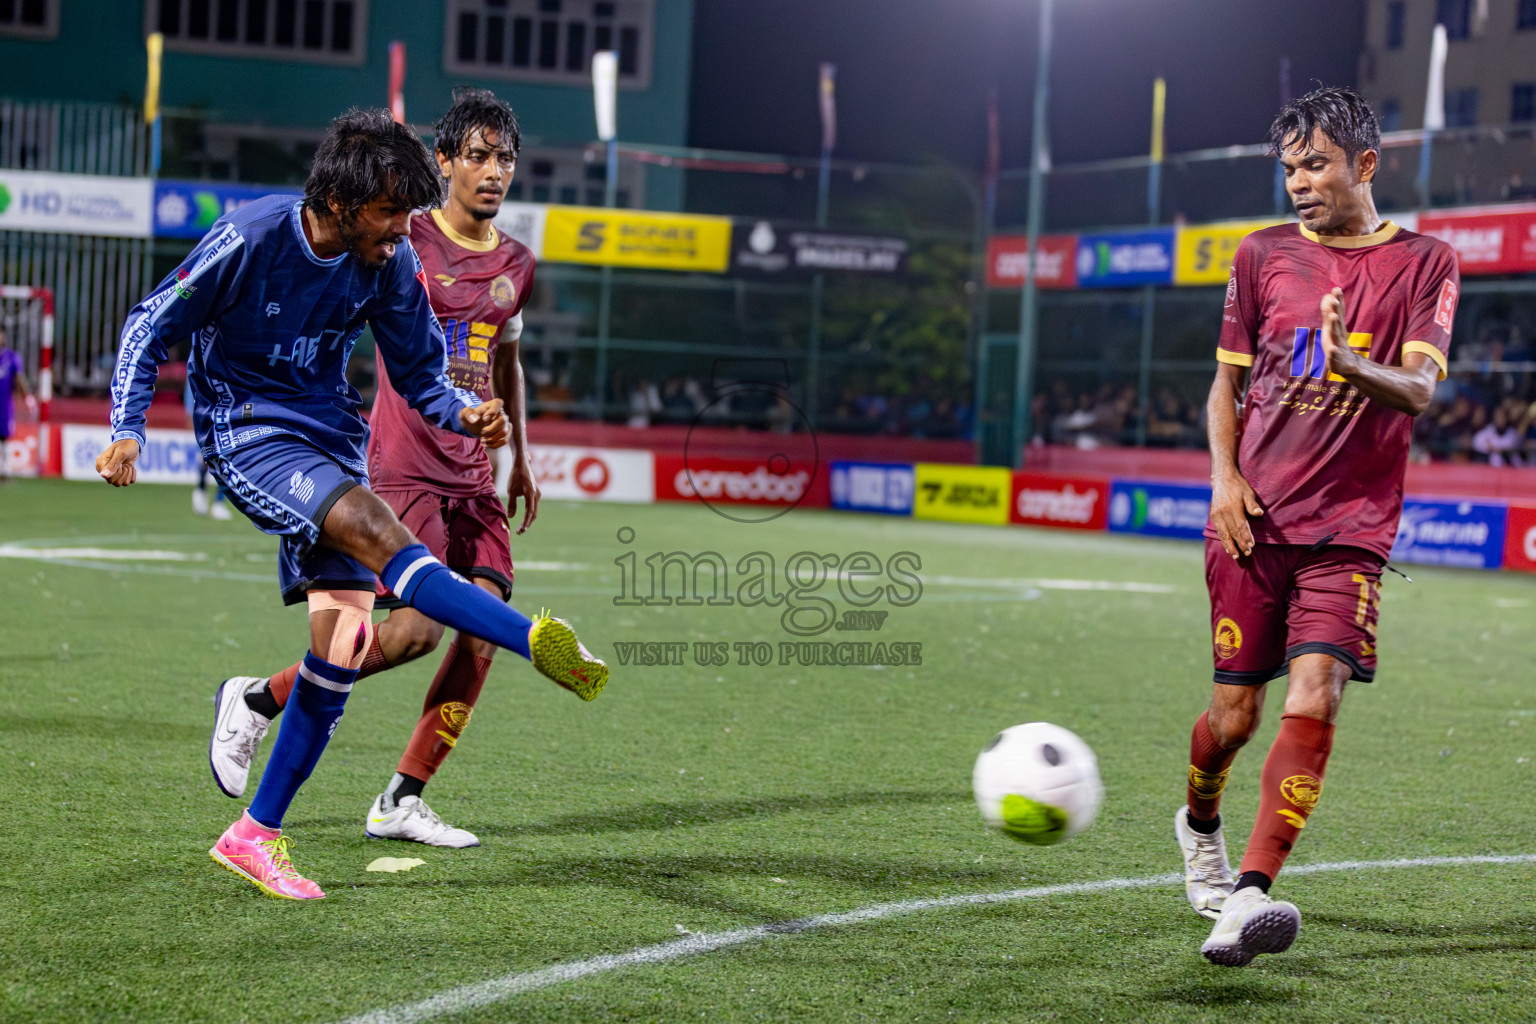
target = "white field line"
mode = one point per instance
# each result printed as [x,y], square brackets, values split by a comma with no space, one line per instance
[484,993]
[1125,586]
[105,554]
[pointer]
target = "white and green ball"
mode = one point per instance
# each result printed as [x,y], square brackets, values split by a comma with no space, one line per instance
[1038,783]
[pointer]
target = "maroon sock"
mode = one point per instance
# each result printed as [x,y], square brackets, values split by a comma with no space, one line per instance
[1209,763]
[1291,784]
[445,713]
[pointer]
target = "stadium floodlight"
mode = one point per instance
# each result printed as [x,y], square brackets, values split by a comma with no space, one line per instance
[605,105]
[1039,161]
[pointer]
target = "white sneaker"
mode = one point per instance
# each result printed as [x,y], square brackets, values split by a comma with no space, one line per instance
[1208,878]
[1251,923]
[220,511]
[237,732]
[199,501]
[413,821]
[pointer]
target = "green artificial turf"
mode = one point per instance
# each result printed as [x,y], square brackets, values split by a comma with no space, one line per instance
[710,798]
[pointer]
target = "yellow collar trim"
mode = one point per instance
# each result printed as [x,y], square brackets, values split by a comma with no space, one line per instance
[472,244]
[1381,234]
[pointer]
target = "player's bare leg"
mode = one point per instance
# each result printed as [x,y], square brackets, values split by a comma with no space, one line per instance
[1251,923]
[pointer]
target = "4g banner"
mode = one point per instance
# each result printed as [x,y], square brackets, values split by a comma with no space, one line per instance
[625,238]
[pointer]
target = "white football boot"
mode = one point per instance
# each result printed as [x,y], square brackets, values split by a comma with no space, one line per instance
[199,501]
[220,511]
[413,821]
[1208,878]
[237,732]
[1251,923]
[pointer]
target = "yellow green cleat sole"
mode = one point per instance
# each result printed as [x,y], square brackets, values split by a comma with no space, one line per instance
[559,655]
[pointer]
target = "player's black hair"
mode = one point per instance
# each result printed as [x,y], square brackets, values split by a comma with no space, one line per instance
[476,110]
[1341,113]
[366,154]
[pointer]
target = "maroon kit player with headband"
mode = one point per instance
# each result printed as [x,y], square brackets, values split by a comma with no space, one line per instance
[1340,325]
[439,484]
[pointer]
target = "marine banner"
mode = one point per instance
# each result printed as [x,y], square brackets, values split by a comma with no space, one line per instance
[1460,533]
[873,487]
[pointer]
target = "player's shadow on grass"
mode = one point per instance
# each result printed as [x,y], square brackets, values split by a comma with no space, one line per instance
[722,883]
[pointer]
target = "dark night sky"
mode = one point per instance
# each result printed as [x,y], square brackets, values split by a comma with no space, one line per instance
[913,74]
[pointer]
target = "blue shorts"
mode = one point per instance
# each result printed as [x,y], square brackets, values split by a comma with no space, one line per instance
[286,486]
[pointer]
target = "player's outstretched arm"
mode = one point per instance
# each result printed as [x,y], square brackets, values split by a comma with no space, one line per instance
[507,382]
[116,462]
[1232,499]
[1407,388]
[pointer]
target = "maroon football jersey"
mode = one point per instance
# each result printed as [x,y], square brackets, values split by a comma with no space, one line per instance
[475,288]
[1324,460]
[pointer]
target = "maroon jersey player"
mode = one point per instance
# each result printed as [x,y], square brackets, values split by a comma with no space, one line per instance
[1334,334]
[440,485]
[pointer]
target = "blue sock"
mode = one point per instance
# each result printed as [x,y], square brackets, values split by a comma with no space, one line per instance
[441,594]
[308,721]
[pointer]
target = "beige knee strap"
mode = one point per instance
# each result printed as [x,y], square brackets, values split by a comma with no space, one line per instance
[354,623]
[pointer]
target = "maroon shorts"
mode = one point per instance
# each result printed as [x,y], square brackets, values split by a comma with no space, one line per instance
[468,535]
[1285,600]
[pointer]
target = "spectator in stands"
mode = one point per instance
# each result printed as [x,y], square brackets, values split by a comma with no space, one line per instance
[1498,442]
[644,402]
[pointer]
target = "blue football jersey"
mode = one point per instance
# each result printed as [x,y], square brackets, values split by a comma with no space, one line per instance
[272,326]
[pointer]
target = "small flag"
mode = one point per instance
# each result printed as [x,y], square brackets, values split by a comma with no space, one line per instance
[155,44]
[1159,104]
[605,97]
[828,106]
[994,141]
[397,81]
[1434,96]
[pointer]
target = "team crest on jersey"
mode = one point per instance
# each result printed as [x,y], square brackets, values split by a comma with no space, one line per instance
[1229,638]
[1445,310]
[503,294]
[1232,287]
[1302,791]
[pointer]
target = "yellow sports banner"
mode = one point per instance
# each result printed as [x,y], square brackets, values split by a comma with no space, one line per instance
[626,238]
[962,494]
[1203,253]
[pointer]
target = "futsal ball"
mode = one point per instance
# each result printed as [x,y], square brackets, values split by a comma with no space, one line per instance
[1038,783]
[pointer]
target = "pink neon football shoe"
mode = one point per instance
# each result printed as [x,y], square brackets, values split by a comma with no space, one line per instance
[260,856]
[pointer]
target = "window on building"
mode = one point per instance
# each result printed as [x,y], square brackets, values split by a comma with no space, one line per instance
[321,31]
[1522,101]
[1525,16]
[29,19]
[1456,16]
[1391,114]
[1460,107]
[548,40]
[1397,12]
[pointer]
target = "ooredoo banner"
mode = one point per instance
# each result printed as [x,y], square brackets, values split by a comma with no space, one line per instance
[1055,261]
[169,456]
[1045,499]
[588,474]
[1520,538]
[1486,241]
[740,481]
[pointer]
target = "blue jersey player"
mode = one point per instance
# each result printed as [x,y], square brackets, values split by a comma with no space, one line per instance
[273,299]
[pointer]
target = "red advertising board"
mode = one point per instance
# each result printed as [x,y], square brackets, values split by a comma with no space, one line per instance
[1487,241]
[741,482]
[23,453]
[1520,538]
[1045,499]
[1008,257]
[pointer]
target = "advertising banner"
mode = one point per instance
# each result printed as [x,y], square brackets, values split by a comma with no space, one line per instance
[1204,254]
[23,451]
[962,494]
[1044,499]
[588,474]
[1486,241]
[75,204]
[524,222]
[1520,538]
[1008,258]
[1159,510]
[1125,258]
[769,248]
[169,456]
[187,209]
[873,487]
[627,238]
[1464,534]
[739,481]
